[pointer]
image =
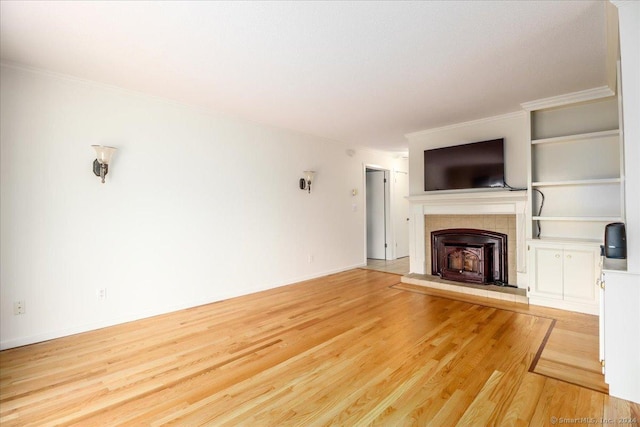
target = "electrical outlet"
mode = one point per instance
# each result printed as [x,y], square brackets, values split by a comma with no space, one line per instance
[310,258]
[101,293]
[19,307]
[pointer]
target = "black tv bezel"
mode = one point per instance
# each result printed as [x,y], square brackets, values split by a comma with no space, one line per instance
[458,147]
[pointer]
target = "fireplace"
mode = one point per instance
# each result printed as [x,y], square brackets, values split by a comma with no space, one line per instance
[499,211]
[469,255]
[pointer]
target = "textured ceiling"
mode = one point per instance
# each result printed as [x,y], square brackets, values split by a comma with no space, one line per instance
[365,73]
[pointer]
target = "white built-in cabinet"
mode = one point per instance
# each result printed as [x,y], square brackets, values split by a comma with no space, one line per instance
[620,331]
[564,275]
[576,188]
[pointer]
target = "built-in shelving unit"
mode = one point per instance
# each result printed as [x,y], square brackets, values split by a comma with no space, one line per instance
[576,188]
[576,162]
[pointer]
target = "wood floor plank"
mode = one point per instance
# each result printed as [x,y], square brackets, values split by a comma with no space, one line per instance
[524,402]
[570,373]
[482,407]
[542,413]
[452,410]
[589,402]
[347,349]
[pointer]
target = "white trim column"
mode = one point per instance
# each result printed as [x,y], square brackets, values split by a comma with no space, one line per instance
[416,248]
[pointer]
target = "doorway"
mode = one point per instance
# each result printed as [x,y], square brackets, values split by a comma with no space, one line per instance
[377,209]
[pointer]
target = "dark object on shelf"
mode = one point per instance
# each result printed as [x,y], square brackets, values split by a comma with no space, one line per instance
[615,241]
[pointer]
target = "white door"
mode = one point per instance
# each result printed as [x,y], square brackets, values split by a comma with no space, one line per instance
[401,213]
[376,231]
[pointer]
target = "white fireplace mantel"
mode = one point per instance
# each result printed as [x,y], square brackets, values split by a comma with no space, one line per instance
[493,202]
[453,198]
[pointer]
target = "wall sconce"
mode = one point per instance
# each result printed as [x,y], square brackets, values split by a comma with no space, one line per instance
[101,163]
[305,183]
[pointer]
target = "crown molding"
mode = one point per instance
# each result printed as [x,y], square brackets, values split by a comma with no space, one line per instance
[419,134]
[568,98]
[622,3]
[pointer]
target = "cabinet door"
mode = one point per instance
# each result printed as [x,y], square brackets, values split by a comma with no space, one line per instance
[580,275]
[547,271]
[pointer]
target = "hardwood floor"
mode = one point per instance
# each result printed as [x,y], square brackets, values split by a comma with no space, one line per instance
[396,266]
[570,349]
[346,349]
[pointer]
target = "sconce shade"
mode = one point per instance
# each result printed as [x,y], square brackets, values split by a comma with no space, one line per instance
[104,153]
[305,183]
[309,175]
[103,158]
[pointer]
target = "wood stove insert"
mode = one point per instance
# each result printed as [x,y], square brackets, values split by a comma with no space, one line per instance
[469,255]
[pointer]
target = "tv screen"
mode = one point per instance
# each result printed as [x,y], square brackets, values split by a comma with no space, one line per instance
[475,165]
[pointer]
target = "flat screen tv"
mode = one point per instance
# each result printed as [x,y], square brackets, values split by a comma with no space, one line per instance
[475,165]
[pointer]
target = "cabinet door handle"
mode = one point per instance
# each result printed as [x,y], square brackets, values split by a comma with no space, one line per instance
[568,256]
[557,255]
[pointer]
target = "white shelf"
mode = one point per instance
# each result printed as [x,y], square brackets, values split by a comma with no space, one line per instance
[582,136]
[615,264]
[577,182]
[575,240]
[578,218]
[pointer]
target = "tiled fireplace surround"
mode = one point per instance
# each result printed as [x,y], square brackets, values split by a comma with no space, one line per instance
[500,211]
[505,224]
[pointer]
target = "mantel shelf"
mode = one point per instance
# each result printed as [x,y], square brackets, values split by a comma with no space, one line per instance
[497,196]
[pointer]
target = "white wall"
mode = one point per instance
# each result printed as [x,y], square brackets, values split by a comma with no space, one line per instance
[197,206]
[512,127]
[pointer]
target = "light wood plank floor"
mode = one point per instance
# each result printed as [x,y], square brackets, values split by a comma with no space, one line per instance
[570,350]
[346,349]
[396,266]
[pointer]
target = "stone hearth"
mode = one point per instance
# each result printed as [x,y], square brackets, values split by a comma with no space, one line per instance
[518,295]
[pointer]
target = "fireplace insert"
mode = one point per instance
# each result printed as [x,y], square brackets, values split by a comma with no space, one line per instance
[469,255]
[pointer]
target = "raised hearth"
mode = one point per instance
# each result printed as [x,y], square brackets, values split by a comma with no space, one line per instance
[518,295]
